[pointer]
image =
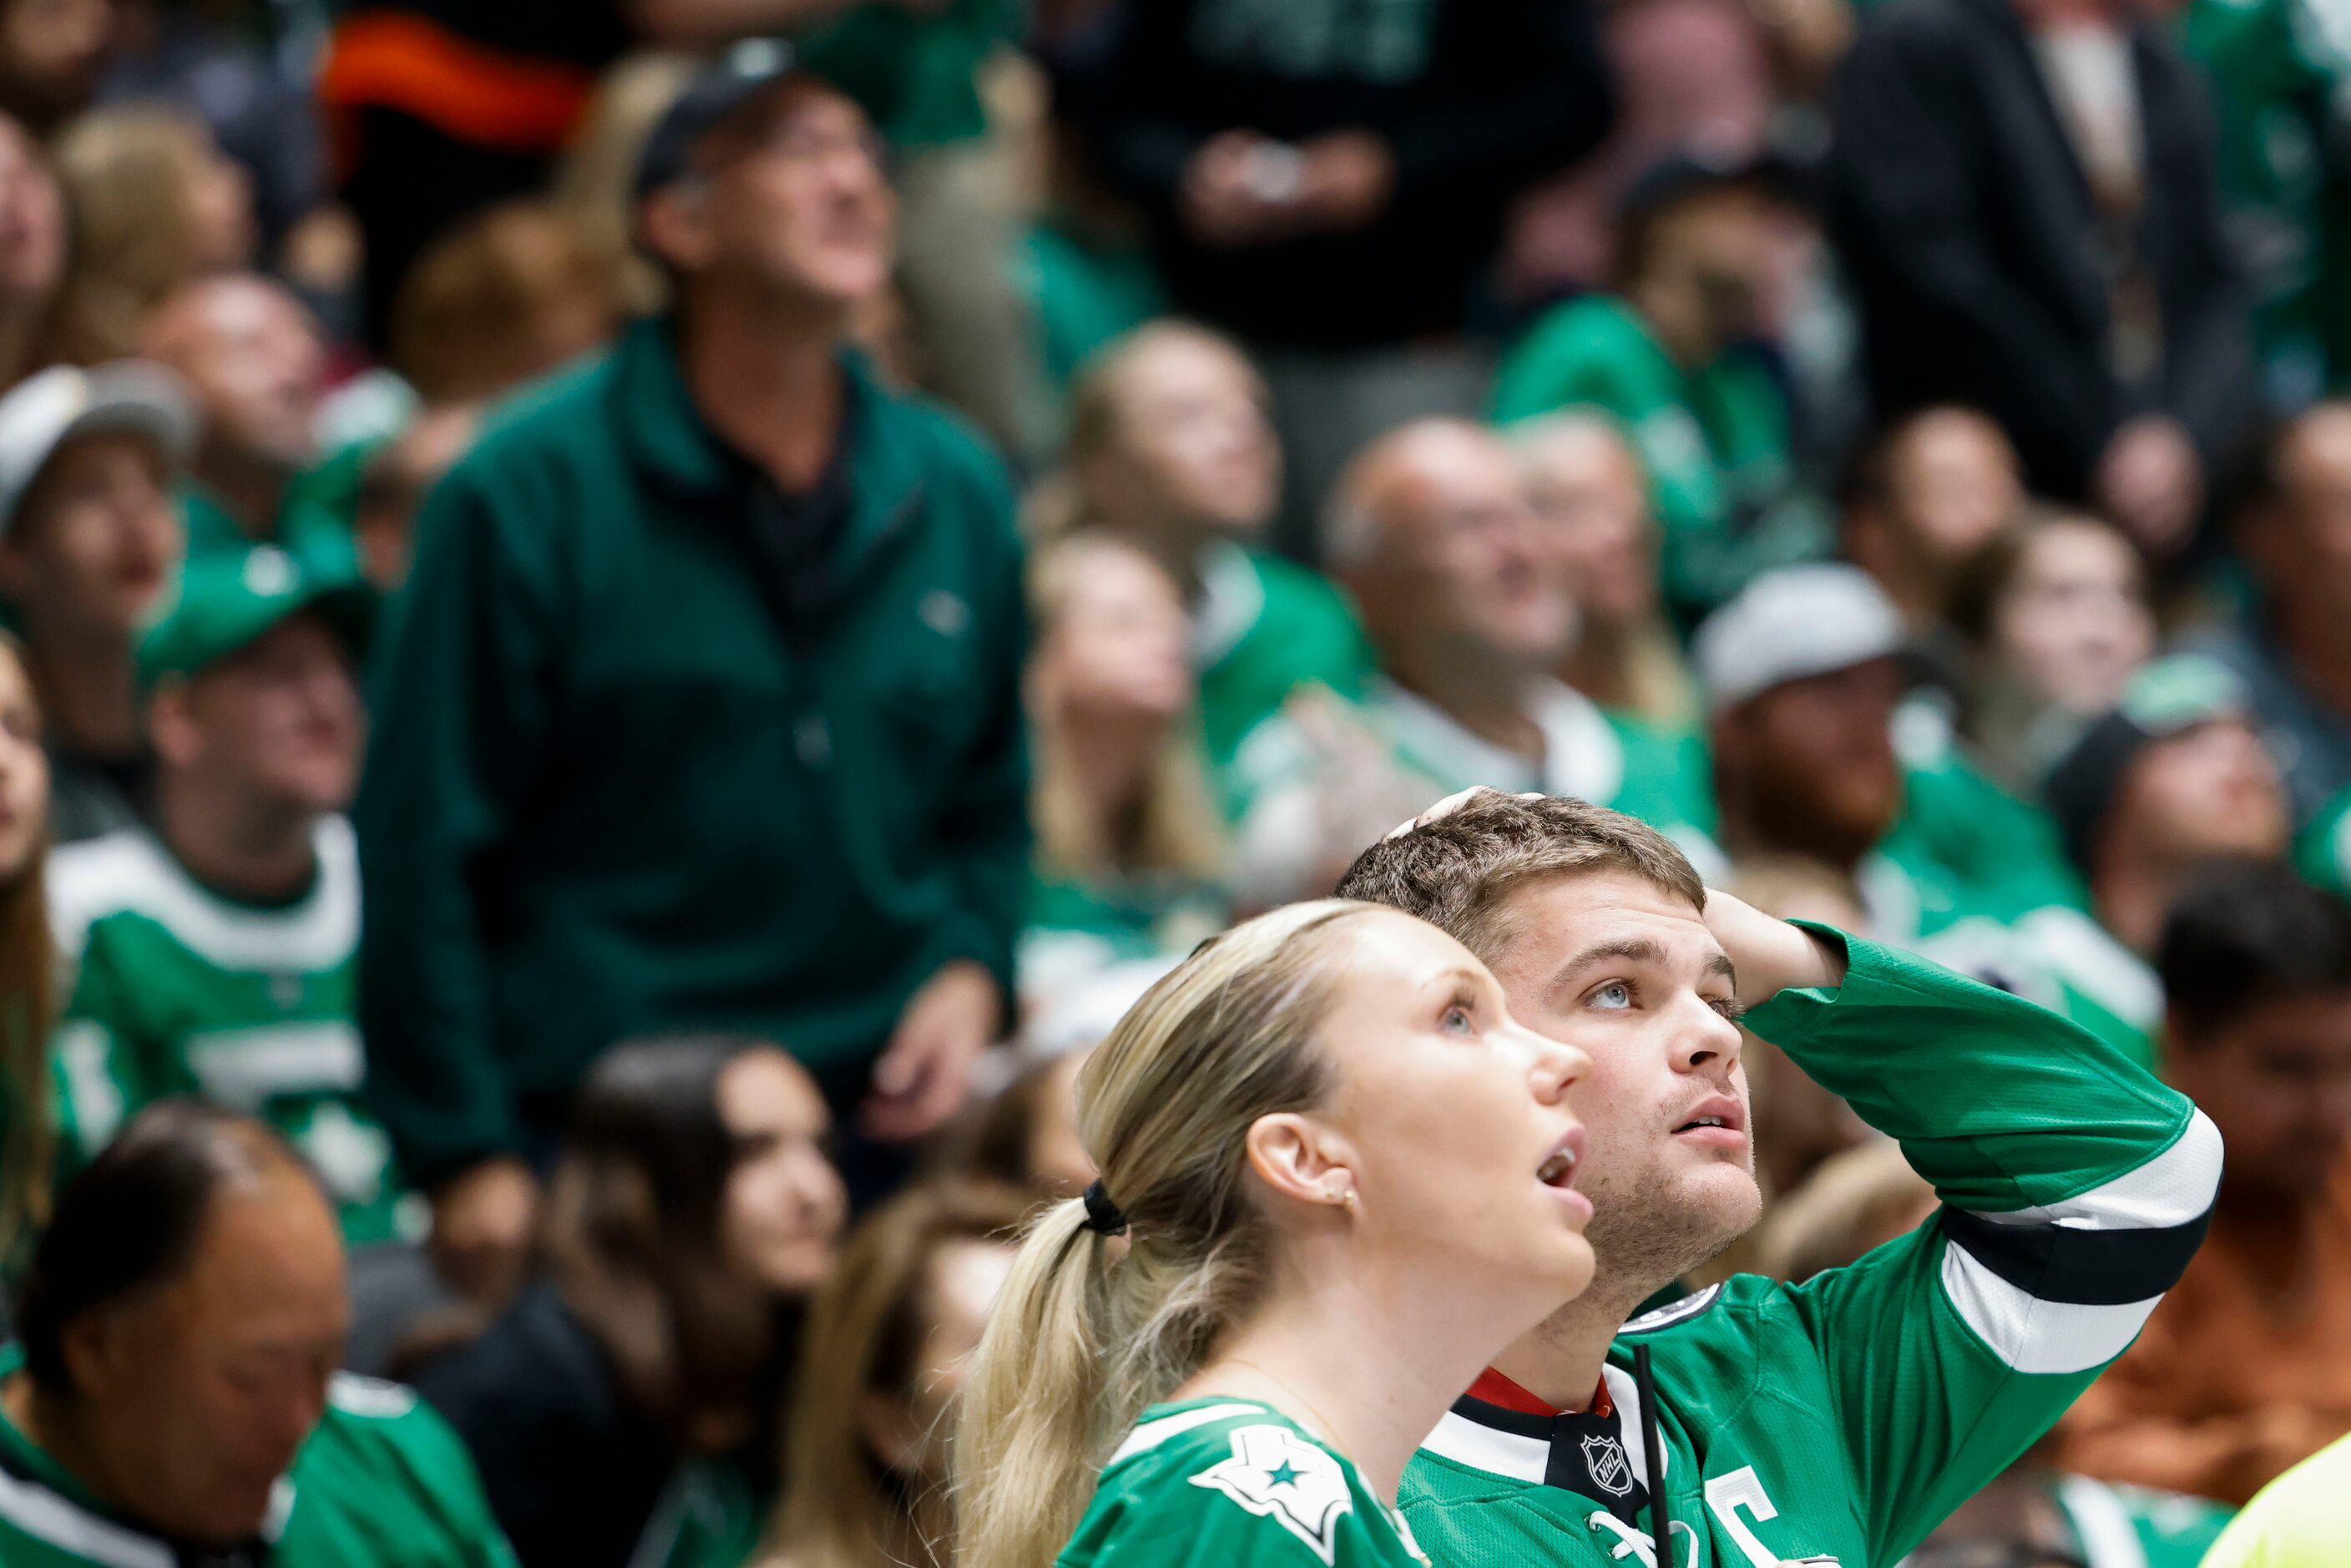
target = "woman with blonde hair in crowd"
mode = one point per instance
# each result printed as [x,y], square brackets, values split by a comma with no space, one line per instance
[155,204]
[1337,1178]
[1129,850]
[27,966]
[888,1342]
[1172,448]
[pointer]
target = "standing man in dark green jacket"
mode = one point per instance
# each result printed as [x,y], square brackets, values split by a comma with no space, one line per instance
[701,706]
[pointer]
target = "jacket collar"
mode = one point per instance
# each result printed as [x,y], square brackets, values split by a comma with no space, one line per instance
[669,442]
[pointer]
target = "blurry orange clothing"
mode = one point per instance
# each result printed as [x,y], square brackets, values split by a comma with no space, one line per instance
[2243,1371]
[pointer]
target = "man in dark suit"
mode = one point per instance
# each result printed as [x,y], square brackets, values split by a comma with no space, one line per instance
[2022,193]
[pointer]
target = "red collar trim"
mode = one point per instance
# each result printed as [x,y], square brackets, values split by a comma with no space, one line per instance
[1493,1388]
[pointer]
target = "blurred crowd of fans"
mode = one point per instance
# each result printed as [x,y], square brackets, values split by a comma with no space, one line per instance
[635,621]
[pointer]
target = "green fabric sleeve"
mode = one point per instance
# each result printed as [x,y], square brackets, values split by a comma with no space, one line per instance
[460,711]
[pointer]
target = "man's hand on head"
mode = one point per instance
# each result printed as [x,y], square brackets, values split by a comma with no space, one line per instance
[1769,955]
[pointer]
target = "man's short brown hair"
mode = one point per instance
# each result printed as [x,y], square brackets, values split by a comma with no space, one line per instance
[1457,872]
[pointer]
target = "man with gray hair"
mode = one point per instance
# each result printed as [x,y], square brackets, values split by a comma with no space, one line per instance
[1464,597]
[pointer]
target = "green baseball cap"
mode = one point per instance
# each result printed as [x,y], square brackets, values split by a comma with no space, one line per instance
[227,602]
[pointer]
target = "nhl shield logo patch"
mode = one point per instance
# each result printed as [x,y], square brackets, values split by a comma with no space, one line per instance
[1603,1457]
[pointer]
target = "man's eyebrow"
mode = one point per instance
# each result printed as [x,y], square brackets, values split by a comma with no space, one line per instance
[1638,950]
[1632,950]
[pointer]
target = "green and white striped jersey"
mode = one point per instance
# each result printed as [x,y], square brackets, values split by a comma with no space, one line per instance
[382,1482]
[1838,1421]
[181,990]
[1233,1483]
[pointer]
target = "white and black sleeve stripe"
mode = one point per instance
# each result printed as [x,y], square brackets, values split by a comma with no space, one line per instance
[2064,1287]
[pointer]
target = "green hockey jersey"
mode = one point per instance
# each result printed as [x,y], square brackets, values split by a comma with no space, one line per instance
[181,990]
[1838,1421]
[382,1482]
[1231,1483]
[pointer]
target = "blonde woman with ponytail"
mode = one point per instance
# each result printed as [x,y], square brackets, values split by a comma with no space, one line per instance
[1337,1176]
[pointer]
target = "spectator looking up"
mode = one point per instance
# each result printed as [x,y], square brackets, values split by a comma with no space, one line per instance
[1130,856]
[174,1395]
[216,952]
[1464,597]
[890,1337]
[2240,1373]
[28,968]
[155,205]
[253,354]
[89,542]
[2022,195]
[1584,479]
[2174,776]
[1670,353]
[1330,185]
[2294,649]
[692,1209]
[923,73]
[2056,615]
[33,245]
[712,649]
[53,56]
[1923,504]
[1172,447]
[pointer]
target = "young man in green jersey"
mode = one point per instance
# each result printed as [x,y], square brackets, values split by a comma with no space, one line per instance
[175,1398]
[1467,602]
[215,951]
[1833,1422]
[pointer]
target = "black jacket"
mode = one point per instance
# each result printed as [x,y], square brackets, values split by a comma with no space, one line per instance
[1966,227]
[1477,98]
[572,1471]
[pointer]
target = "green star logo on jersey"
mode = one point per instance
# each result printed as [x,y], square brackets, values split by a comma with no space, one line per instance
[1276,1474]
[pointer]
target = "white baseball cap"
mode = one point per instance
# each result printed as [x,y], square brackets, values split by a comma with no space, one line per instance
[44,411]
[1787,624]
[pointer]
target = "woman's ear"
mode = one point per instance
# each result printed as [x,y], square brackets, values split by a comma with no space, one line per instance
[1302,1159]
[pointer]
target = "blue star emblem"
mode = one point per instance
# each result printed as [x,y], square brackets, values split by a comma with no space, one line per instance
[1282,1475]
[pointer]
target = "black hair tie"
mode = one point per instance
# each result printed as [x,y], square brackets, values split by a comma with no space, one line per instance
[1104,1218]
